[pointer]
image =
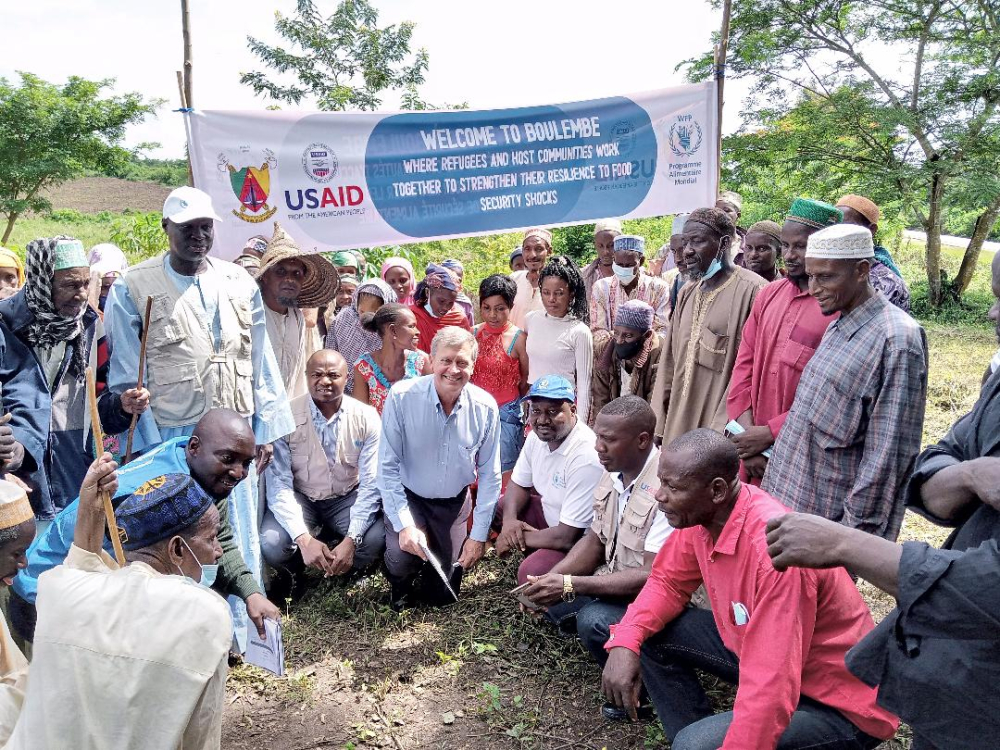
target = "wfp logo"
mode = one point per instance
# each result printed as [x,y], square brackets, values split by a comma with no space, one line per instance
[685,136]
[319,162]
[251,186]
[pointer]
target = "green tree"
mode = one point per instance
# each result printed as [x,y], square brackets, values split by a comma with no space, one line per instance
[923,126]
[345,62]
[49,134]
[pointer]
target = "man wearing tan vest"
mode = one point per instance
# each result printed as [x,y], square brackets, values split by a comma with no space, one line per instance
[604,571]
[321,483]
[207,348]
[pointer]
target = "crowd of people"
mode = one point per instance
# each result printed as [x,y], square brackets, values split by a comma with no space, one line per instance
[693,453]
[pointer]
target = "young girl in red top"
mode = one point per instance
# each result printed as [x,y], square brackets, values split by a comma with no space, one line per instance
[502,365]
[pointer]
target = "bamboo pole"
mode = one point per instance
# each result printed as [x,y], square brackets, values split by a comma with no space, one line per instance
[142,369]
[721,52]
[95,429]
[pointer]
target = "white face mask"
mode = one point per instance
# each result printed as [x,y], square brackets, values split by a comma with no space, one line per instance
[427,307]
[625,275]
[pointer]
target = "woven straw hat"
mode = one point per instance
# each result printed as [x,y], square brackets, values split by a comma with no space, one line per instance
[320,283]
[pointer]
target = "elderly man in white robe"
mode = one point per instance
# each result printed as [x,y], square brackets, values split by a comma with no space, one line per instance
[131,658]
[291,279]
[207,349]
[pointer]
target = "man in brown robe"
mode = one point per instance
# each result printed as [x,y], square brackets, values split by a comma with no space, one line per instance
[699,350]
[629,365]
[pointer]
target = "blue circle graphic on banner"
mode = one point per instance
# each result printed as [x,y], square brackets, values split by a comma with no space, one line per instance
[441,173]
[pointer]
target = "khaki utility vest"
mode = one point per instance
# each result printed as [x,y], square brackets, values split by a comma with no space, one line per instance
[186,376]
[640,512]
[313,474]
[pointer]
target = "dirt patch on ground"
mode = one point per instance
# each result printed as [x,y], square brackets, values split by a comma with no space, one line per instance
[91,195]
[472,675]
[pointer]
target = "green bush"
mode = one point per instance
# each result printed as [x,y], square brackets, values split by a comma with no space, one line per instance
[139,235]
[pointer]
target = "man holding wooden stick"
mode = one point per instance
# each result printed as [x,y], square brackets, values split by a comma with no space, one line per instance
[207,349]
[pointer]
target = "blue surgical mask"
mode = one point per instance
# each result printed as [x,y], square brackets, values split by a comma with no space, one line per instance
[625,275]
[208,572]
[714,267]
[427,307]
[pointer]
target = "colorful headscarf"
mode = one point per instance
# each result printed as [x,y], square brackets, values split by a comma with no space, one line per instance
[49,328]
[439,276]
[10,259]
[348,337]
[400,262]
[106,258]
[255,245]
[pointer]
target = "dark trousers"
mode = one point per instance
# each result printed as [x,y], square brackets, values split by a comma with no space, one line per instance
[328,521]
[692,641]
[443,521]
[591,619]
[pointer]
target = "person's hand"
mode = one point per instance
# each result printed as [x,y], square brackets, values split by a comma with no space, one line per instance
[755,466]
[545,590]
[260,608]
[512,536]
[983,477]
[135,401]
[410,540]
[15,479]
[803,540]
[752,442]
[621,681]
[314,552]
[9,447]
[342,557]
[472,552]
[264,454]
[100,477]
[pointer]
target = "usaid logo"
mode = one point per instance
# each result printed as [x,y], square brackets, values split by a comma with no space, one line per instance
[319,162]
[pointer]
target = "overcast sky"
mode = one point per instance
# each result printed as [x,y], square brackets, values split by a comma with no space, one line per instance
[517,53]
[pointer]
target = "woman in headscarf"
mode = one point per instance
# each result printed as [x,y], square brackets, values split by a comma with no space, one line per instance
[347,335]
[434,305]
[11,273]
[107,263]
[463,301]
[397,272]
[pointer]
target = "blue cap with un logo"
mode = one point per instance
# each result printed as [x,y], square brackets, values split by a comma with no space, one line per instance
[555,387]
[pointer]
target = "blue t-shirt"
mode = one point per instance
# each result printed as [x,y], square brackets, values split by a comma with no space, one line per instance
[51,547]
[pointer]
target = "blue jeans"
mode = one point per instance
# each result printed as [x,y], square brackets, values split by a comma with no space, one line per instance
[692,641]
[511,434]
[592,619]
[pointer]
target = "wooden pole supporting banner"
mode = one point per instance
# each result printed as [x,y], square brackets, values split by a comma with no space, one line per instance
[721,52]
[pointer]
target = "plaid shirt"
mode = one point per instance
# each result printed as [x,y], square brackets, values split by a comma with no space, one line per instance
[854,428]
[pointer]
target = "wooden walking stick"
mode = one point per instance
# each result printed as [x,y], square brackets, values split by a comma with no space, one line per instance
[138,385]
[98,433]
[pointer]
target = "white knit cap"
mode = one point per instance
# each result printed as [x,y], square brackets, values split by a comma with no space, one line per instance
[841,241]
[608,225]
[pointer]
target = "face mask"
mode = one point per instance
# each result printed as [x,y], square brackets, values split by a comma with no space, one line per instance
[427,307]
[714,267]
[208,572]
[628,350]
[625,275]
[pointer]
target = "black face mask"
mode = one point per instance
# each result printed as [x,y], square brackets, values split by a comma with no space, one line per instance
[629,349]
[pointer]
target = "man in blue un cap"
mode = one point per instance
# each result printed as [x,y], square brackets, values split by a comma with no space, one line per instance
[549,501]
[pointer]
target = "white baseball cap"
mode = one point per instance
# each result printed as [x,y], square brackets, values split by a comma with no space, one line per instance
[186,204]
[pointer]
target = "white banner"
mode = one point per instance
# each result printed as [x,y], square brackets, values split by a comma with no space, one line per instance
[354,180]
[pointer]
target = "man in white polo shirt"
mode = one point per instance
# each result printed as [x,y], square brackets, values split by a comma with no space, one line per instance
[560,463]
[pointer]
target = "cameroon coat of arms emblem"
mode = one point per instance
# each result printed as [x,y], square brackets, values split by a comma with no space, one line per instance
[251,185]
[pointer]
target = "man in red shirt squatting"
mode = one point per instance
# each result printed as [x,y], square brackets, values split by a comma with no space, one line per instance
[781,637]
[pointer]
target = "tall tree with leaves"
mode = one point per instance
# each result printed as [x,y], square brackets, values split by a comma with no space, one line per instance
[50,134]
[343,62]
[924,123]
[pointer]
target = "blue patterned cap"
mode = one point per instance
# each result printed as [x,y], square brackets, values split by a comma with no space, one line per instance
[632,242]
[159,509]
[554,387]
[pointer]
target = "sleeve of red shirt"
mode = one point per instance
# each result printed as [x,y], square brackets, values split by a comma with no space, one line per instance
[738,400]
[776,423]
[675,576]
[772,656]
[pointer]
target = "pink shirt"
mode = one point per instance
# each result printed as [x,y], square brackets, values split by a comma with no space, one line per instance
[797,625]
[780,336]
